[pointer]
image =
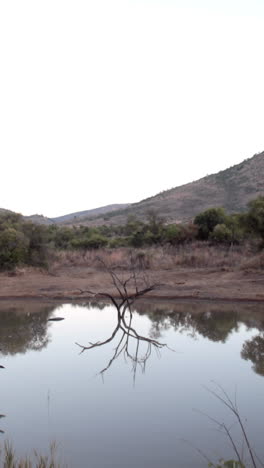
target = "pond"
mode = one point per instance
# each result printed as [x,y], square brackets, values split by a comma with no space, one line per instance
[106,408]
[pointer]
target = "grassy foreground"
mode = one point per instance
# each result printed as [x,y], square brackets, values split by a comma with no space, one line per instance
[8,458]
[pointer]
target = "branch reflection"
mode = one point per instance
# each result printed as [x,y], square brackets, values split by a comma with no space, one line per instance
[130,341]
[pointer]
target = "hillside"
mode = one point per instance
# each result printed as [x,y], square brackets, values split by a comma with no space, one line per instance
[39,219]
[77,217]
[231,189]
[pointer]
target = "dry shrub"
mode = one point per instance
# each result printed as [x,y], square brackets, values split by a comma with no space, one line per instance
[256,262]
[93,258]
[192,255]
[206,255]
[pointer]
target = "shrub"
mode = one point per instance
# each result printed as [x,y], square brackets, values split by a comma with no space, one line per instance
[95,241]
[255,217]
[207,220]
[13,248]
[221,234]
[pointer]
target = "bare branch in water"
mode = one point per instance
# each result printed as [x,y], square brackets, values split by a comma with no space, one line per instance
[123,303]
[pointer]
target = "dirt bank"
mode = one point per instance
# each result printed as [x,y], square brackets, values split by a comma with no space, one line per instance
[198,283]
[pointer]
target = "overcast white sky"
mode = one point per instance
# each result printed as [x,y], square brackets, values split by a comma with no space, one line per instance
[112,101]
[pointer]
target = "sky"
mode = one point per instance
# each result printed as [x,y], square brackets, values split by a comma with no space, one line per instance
[112,101]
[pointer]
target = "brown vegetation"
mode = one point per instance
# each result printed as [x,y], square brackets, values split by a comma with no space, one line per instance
[195,271]
[195,255]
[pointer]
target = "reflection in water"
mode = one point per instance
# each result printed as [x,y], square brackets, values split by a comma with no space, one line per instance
[62,400]
[24,328]
[129,340]
[215,322]
[214,326]
[211,320]
[254,351]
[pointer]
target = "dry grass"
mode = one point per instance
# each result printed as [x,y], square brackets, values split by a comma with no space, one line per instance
[255,262]
[193,255]
[9,459]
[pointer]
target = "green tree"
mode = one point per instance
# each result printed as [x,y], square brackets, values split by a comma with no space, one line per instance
[13,248]
[174,234]
[207,220]
[255,217]
[38,244]
[221,234]
[94,241]
[63,237]
[155,227]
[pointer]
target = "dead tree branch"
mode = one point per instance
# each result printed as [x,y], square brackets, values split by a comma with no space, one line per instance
[123,303]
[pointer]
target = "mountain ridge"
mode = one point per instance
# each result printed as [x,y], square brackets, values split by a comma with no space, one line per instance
[75,216]
[231,188]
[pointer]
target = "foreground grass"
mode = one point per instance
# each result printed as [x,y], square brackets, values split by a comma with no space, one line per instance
[9,460]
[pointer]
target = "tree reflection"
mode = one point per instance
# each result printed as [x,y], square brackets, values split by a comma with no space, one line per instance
[23,330]
[129,341]
[253,350]
[214,324]
[215,327]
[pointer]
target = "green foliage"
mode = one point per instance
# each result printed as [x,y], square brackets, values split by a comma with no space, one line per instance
[255,217]
[21,243]
[137,239]
[13,248]
[176,234]
[132,226]
[63,237]
[118,242]
[207,220]
[143,234]
[26,243]
[38,244]
[155,228]
[235,225]
[94,241]
[221,234]
[227,464]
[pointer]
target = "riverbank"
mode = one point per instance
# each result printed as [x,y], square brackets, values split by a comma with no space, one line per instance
[73,282]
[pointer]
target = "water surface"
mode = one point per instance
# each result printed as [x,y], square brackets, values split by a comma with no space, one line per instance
[145,414]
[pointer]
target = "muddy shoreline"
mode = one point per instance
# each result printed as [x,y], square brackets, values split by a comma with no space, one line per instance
[185,284]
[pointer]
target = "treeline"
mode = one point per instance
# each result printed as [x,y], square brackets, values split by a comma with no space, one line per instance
[30,244]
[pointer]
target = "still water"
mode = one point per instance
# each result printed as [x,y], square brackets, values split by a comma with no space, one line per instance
[106,408]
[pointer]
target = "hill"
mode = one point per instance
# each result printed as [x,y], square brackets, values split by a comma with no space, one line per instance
[231,189]
[77,217]
[80,215]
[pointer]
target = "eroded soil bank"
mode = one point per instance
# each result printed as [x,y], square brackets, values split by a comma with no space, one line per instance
[198,283]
